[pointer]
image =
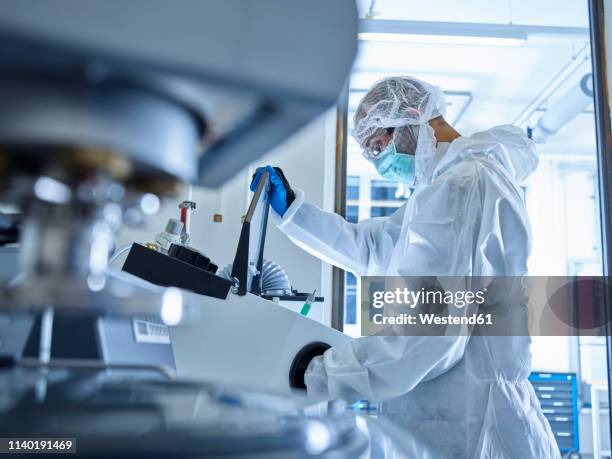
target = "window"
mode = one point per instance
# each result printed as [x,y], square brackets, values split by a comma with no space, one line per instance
[352,214]
[382,211]
[352,187]
[350,299]
[384,190]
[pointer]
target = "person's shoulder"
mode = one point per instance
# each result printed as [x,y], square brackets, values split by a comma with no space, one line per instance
[502,150]
[506,134]
[464,171]
[472,176]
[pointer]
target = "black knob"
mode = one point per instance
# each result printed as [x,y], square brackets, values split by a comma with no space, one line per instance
[192,256]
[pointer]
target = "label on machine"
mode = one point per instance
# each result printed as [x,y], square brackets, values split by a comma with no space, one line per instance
[150,330]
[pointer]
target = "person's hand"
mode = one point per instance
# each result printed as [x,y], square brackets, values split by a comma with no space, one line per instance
[281,194]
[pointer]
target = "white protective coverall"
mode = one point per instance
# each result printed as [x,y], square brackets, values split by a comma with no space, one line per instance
[455,396]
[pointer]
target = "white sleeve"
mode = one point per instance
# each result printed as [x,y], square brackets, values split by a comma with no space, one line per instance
[384,367]
[378,368]
[362,248]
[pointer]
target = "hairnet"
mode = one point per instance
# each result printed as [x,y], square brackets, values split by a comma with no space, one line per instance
[406,104]
[395,102]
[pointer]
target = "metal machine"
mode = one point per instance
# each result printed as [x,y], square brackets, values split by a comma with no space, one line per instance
[258,338]
[271,344]
[105,107]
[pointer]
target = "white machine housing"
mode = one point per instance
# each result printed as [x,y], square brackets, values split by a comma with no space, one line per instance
[245,341]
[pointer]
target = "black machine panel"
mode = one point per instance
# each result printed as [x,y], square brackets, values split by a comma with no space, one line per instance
[161,269]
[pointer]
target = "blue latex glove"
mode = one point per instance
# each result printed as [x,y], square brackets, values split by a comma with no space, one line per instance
[281,194]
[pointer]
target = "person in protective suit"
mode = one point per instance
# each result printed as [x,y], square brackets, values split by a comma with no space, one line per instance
[459,395]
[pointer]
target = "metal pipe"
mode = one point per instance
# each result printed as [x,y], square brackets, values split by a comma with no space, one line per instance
[567,71]
[574,101]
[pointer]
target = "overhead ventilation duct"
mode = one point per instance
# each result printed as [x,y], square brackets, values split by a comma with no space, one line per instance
[568,106]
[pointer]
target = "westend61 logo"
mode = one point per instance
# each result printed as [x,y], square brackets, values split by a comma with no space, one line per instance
[489,306]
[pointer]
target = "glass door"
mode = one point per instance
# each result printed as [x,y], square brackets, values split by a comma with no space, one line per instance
[540,66]
[600,22]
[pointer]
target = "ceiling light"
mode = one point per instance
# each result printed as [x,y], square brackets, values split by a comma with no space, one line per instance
[465,40]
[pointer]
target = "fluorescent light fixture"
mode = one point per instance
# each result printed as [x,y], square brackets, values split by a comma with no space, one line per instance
[449,33]
[465,40]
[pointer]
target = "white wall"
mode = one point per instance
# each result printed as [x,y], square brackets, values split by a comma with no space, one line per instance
[303,160]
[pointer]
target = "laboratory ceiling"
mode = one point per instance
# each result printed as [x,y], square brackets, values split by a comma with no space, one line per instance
[534,12]
[489,81]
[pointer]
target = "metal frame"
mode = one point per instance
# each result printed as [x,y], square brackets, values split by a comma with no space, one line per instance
[337,319]
[602,124]
[241,265]
[598,453]
[604,153]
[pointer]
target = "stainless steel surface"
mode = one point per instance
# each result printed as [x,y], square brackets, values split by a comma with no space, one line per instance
[9,262]
[121,294]
[14,332]
[41,116]
[113,415]
[104,101]
[170,235]
[252,71]
[274,43]
[85,364]
[64,252]
[174,226]
[127,95]
[68,240]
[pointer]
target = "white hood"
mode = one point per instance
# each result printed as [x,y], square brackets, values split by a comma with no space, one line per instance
[506,145]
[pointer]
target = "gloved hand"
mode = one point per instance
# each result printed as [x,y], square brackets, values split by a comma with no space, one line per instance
[315,379]
[281,194]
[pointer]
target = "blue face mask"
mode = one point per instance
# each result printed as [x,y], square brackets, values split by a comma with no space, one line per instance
[395,166]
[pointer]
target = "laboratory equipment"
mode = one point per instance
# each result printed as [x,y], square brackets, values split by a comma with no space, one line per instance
[558,396]
[248,261]
[187,209]
[274,280]
[156,418]
[219,67]
[308,304]
[105,108]
[171,234]
[118,113]
[250,334]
